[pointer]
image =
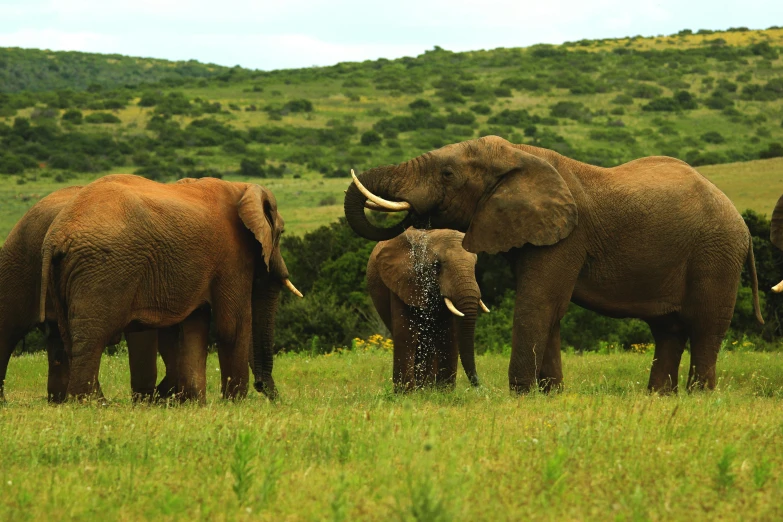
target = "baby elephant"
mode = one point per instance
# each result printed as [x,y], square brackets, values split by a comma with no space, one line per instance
[424,287]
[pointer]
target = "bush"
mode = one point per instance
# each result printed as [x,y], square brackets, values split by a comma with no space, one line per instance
[10,164]
[420,105]
[101,117]
[773,150]
[481,109]
[370,138]
[645,91]
[73,116]
[713,137]
[251,168]
[235,146]
[298,105]
[572,110]
[623,99]
[663,105]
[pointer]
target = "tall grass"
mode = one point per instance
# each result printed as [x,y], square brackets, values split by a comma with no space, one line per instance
[340,445]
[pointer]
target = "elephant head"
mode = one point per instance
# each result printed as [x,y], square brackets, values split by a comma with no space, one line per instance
[430,269]
[776,234]
[499,195]
[257,209]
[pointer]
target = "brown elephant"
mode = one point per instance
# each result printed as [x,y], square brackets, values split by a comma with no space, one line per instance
[651,239]
[127,252]
[423,286]
[20,289]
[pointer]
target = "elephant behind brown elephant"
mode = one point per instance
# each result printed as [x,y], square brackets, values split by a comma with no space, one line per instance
[20,290]
[130,252]
[776,234]
[651,239]
[424,288]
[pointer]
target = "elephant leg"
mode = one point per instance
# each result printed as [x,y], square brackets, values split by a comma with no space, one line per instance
[550,377]
[59,366]
[447,355]
[234,344]
[670,338]
[403,372]
[191,360]
[7,344]
[168,348]
[710,307]
[143,360]
[545,282]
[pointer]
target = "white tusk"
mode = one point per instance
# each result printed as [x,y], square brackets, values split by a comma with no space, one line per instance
[483,306]
[452,308]
[778,288]
[383,203]
[369,205]
[288,284]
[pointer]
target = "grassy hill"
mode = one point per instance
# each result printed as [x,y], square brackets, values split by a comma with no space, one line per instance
[709,98]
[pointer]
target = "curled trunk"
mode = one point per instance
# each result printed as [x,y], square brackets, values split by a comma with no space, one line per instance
[378,182]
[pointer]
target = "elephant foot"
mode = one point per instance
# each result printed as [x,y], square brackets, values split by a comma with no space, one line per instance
[521,388]
[143,396]
[550,385]
[267,387]
[165,390]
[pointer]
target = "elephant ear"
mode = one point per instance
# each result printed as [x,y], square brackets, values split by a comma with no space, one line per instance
[776,227]
[395,266]
[530,204]
[255,207]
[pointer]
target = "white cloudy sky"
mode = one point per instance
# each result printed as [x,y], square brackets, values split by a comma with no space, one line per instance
[278,34]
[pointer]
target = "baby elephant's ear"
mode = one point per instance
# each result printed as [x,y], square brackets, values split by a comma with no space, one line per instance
[254,205]
[530,204]
[776,226]
[395,265]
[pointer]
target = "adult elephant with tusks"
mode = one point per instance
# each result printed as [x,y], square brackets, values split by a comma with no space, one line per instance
[651,239]
[423,286]
[127,252]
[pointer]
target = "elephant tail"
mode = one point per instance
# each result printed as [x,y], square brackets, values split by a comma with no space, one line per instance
[754,282]
[46,264]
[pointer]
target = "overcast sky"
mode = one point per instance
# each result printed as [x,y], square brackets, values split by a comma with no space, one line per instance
[279,34]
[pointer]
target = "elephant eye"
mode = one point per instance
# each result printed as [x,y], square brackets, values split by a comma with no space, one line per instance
[447,173]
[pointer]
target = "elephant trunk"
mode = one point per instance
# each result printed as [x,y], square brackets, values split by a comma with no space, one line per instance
[266,295]
[466,336]
[378,182]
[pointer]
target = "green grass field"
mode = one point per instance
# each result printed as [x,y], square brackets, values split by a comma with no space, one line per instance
[339,445]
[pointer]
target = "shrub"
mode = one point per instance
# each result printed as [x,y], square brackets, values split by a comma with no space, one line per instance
[645,90]
[150,98]
[521,83]
[662,104]
[571,110]
[298,105]
[73,116]
[622,99]
[251,168]
[370,138]
[517,118]
[10,164]
[713,137]
[461,118]
[420,105]
[235,146]
[773,150]
[101,117]
[481,109]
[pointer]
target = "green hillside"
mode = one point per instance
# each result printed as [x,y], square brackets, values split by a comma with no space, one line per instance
[708,98]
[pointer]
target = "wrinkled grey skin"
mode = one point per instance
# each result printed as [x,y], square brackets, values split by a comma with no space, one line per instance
[20,288]
[651,239]
[407,278]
